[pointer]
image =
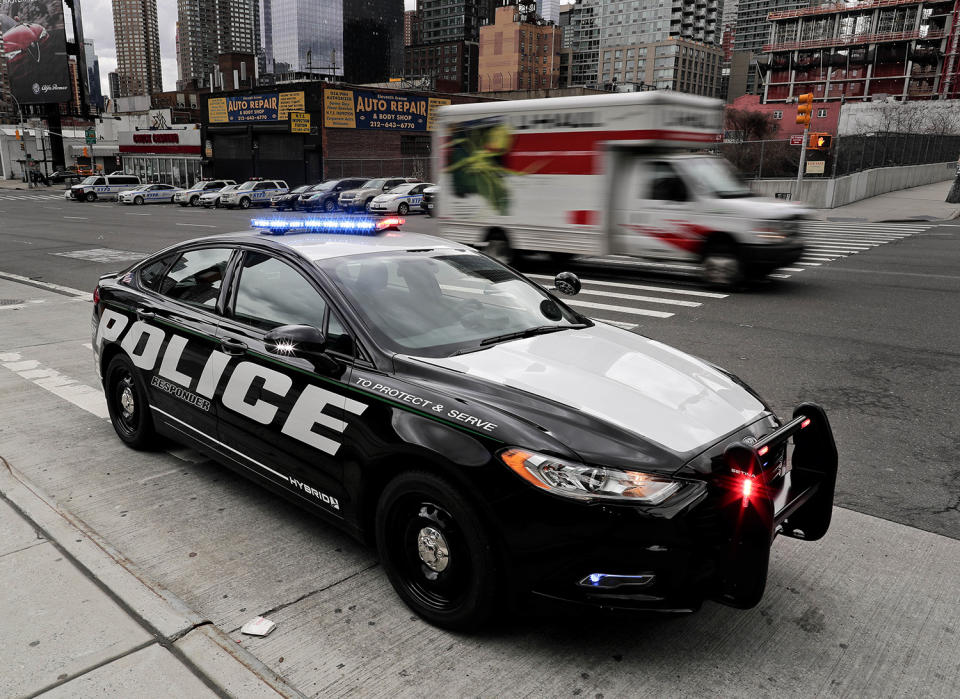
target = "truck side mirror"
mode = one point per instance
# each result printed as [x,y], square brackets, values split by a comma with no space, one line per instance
[567,283]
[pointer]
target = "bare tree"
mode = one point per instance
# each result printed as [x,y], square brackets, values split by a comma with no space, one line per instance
[746,125]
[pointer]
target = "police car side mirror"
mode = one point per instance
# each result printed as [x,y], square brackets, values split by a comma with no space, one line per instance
[296,341]
[567,283]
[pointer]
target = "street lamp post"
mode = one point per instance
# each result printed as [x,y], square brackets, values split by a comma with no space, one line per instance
[23,138]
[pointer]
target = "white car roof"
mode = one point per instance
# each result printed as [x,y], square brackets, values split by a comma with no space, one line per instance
[324,246]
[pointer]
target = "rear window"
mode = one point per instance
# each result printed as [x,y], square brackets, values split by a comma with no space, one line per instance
[121,179]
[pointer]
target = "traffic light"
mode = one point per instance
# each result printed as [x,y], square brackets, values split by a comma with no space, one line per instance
[820,141]
[17,132]
[804,108]
[86,153]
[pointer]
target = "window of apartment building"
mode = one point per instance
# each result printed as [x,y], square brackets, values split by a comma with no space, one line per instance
[821,113]
[778,115]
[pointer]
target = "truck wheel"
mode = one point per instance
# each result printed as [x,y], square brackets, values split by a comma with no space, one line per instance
[90,196]
[722,264]
[498,247]
[436,551]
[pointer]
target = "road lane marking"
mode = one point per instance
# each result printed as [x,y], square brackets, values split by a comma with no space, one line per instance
[103,255]
[642,287]
[791,269]
[60,385]
[83,295]
[196,225]
[621,309]
[617,323]
[77,218]
[642,299]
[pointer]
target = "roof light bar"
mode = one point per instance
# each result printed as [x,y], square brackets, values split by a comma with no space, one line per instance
[343,225]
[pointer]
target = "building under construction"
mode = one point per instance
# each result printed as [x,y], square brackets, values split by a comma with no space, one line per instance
[854,51]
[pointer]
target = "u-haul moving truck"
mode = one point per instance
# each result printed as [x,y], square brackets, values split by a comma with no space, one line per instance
[600,175]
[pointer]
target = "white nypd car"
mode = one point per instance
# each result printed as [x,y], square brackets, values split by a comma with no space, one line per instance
[149,194]
[401,199]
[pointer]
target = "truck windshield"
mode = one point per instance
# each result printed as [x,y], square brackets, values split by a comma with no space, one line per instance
[718,177]
[435,303]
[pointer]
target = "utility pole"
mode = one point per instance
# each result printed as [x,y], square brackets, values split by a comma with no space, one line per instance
[804,112]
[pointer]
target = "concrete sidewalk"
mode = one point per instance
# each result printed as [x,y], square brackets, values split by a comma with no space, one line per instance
[924,203]
[80,622]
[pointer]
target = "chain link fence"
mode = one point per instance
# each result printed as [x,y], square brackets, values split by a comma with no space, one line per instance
[377,167]
[849,154]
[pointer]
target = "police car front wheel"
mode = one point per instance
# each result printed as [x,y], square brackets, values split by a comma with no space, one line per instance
[127,404]
[91,196]
[436,552]
[403,209]
[244,203]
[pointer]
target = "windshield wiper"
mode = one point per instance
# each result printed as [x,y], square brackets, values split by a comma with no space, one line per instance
[530,332]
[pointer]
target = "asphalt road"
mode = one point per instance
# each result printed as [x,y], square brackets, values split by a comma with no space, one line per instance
[866,325]
[872,335]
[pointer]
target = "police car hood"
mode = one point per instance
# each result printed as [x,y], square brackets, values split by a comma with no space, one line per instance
[630,388]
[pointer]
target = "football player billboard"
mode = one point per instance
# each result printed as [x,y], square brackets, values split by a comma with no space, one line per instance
[35,47]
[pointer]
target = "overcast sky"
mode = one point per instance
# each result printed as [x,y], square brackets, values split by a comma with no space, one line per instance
[98,25]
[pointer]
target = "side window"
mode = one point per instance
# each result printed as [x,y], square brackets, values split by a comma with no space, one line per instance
[260,186]
[271,293]
[196,277]
[665,184]
[338,339]
[151,274]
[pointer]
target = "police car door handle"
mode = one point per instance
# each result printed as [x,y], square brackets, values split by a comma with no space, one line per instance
[144,314]
[233,346]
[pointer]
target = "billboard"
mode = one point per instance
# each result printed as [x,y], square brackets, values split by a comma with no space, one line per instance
[362,109]
[268,106]
[35,48]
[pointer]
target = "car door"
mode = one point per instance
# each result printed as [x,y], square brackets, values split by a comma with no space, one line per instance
[286,413]
[651,212]
[176,324]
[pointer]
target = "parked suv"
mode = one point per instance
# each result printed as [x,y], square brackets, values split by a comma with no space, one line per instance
[103,187]
[255,192]
[324,195]
[359,199]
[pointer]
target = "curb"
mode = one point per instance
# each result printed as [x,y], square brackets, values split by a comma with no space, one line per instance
[227,666]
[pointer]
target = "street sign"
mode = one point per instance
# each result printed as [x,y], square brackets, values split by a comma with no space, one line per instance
[299,122]
[815,167]
[91,135]
[796,140]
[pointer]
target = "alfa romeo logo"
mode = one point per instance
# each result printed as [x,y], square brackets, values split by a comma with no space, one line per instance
[36,88]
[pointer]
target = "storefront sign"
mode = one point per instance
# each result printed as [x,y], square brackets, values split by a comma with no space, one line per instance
[299,122]
[269,106]
[361,109]
[156,138]
[181,141]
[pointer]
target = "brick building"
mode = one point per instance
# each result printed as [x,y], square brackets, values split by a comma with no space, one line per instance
[517,54]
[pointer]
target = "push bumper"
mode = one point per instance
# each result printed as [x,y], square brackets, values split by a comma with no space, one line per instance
[712,539]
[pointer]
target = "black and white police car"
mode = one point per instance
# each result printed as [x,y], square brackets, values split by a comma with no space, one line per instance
[254,192]
[495,444]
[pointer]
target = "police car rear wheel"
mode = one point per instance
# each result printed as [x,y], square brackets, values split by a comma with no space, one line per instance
[90,196]
[127,404]
[244,203]
[403,209]
[435,551]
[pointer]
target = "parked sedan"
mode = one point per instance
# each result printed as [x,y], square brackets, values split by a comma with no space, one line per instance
[149,194]
[291,199]
[211,199]
[61,176]
[324,196]
[400,200]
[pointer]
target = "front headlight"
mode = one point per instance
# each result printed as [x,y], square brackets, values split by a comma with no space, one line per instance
[579,481]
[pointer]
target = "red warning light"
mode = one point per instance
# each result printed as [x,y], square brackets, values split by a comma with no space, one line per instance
[762,450]
[805,423]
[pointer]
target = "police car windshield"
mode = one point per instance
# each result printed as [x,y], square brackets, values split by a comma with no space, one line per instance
[93,180]
[442,302]
[402,189]
[247,186]
[228,188]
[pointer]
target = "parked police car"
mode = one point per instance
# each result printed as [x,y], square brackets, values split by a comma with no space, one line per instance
[359,199]
[103,187]
[191,196]
[254,192]
[400,199]
[149,194]
[492,441]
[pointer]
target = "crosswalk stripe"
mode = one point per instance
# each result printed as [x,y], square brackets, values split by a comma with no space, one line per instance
[810,264]
[642,287]
[643,299]
[791,269]
[617,323]
[621,309]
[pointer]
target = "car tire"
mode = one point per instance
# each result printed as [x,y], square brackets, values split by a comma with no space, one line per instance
[329,206]
[127,404]
[138,201]
[723,265]
[437,552]
[366,205]
[428,212]
[90,196]
[244,203]
[403,209]
[195,201]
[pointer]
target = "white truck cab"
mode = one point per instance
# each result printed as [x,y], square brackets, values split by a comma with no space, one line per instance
[620,174]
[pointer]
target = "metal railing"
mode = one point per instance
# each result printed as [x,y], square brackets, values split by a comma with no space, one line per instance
[849,154]
[854,39]
[839,7]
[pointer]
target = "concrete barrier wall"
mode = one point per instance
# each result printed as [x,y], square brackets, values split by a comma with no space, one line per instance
[829,193]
